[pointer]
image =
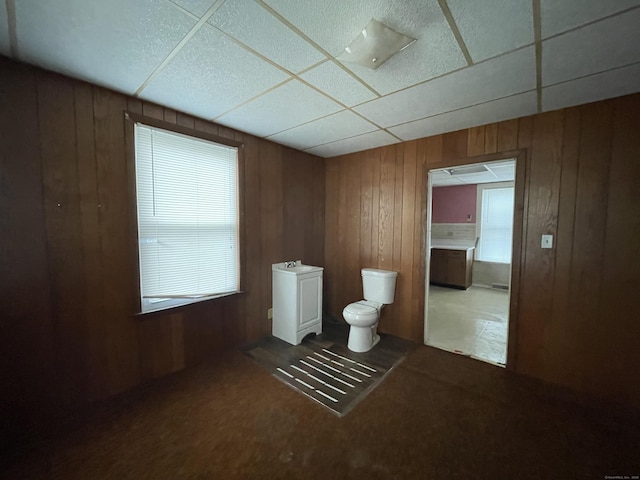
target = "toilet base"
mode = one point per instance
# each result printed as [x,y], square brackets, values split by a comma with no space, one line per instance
[363,339]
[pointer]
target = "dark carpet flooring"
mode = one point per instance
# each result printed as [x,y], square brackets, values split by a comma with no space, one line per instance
[436,415]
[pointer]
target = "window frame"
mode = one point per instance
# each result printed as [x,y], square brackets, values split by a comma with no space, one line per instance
[131,119]
[491,186]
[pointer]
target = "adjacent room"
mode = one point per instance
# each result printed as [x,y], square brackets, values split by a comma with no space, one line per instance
[281,239]
[471,227]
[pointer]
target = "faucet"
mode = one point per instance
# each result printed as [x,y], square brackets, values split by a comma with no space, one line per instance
[290,264]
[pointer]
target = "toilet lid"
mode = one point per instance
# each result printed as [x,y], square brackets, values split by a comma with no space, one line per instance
[360,309]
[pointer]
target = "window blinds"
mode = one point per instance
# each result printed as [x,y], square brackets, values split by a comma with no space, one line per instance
[187,196]
[496,225]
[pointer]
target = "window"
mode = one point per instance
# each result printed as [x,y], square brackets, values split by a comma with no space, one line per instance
[188,217]
[495,218]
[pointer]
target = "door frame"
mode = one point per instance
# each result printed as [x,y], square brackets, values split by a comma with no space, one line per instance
[519,234]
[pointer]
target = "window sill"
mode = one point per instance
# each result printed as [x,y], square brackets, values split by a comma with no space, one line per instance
[179,304]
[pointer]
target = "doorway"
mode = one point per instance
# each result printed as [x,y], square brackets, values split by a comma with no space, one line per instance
[470,230]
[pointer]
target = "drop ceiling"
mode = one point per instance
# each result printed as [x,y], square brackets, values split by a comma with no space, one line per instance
[269,68]
[491,172]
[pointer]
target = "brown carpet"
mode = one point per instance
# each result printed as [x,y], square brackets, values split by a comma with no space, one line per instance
[436,416]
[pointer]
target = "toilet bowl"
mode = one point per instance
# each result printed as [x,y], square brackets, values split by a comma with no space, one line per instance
[363,318]
[379,289]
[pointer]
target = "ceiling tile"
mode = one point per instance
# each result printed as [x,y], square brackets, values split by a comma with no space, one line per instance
[504,173]
[500,77]
[441,179]
[478,23]
[117,43]
[197,7]
[280,109]
[610,43]
[558,16]
[334,81]
[213,74]
[495,111]
[613,83]
[435,53]
[5,47]
[375,139]
[325,130]
[254,26]
[346,19]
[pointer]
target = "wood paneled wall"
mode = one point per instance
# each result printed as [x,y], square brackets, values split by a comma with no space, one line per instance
[576,319]
[68,334]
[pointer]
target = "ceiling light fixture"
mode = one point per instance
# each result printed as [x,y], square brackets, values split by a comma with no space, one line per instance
[375,45]
[467,169]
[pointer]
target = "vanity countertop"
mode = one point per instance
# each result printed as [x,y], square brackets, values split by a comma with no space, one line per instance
[452,247]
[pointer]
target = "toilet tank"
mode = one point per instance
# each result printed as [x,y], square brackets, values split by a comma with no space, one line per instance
[379,285]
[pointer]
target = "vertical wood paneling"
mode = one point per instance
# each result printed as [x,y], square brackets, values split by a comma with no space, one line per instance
[115,238]
[170,116]
[352,238]
[590,221]
[314,233]
[271,185]
[331,276]
[185,120]
[64,233]
[419,233]
[67,142]
[454,145]
[475,142]
[507,136]
[152,110]
[563,322]
[372,159]
[397,205]
[404,286]
[26,327]
[491,138]
[590,209]
[620,276]
[574,183]
[366,210]
[94,308]
[545,169]
[386,209]
[297,200]
[255,319]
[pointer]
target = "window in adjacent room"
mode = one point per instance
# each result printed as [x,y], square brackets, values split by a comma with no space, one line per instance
[495,218]
[188,218]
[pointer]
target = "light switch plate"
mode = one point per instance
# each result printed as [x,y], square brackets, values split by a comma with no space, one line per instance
[547,241]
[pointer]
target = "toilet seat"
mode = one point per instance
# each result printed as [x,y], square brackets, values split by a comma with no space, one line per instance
[361,310]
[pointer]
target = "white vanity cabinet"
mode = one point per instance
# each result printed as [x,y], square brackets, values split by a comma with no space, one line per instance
[297,301]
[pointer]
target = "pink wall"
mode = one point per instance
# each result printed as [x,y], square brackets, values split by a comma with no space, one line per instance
[454,204]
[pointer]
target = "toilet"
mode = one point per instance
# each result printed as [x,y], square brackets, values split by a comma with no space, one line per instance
[379,288]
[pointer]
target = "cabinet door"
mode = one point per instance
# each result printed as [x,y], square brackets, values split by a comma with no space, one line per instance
[456,268]
[438,266]
[310,301]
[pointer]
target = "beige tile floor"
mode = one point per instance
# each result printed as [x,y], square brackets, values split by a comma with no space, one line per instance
[470,322]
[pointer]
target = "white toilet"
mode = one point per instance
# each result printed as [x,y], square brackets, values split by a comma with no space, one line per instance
[379,288]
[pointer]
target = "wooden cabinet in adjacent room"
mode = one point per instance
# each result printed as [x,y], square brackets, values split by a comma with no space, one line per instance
[451,267]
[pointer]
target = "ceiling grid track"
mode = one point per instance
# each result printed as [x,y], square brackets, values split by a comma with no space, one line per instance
[537,32]
[180,45]
[318,47]
[456,32]
[280,76]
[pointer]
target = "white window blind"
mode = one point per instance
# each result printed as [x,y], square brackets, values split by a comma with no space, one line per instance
[496,225]
[187,196]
